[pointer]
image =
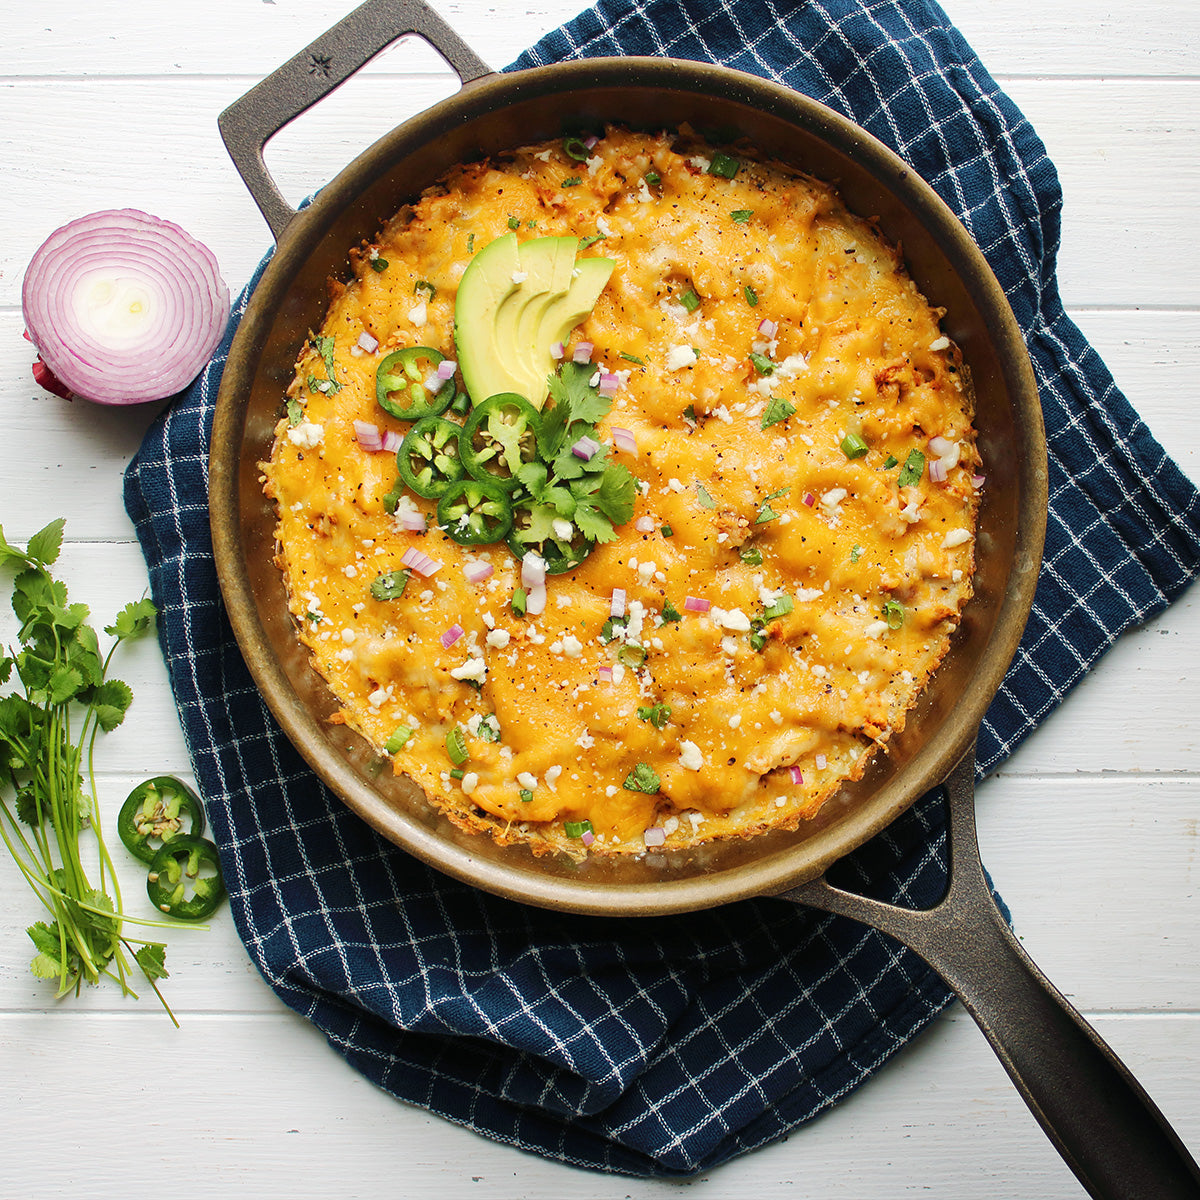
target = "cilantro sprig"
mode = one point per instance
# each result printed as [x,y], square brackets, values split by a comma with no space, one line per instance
[63,697]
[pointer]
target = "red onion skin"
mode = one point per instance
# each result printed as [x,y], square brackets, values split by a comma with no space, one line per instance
[163,258]
[46,378]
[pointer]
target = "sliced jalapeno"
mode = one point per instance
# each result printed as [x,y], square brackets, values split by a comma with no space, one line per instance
[475,512]
[400,384]
[428,456]
[499,436]
[534,529]
[155,813]
[175,884]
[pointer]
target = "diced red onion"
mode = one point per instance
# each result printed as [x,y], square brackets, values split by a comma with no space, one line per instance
[977,481]
[940,446]
[644,524]
[533,569]
[478,572]
[617,607]
[587,837]
[446,369]
[623,439]
[419,561]
[656,835]
[696,605]
[368,435]
[590,142]
[124,307]
[413,519]
[809,499]
[535,600]
[767,327]
[609,383]
[605,673]
[937,470]
[557,350]
[822,762]
[586,448]
[433,383]
[583,352]
[452,635]
[392,440]
[797,777]
[367,343]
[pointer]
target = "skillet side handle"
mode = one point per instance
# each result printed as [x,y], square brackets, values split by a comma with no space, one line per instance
[1098,1116]
[249,123]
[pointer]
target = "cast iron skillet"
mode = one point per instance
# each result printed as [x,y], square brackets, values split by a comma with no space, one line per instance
[1103,1123]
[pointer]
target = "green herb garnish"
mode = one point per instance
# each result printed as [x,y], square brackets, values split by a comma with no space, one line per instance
[643,778]
[913,469]
[670,613]
[574,147]
[853,446]
[657,714]
[653,178]
[779,607]
[723,165]
[893,614]
[390,585]
[690,300]
[576,829]
[633,358]
[706,501]
[514,223]
[762,364]
[574,181]
[742,215]
[632,656]
[591,240]
[667,531]
[378,264]
[778,409]
[456,746]
[489,730]
[752,557]
[890,462]
[526,796]
[751,296]
[295,411]
[423,285]
[519,602]
[855,553]
[325,348]
[399,739]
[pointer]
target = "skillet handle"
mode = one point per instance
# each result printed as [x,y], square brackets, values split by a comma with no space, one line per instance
[1098,1116]
[249,123]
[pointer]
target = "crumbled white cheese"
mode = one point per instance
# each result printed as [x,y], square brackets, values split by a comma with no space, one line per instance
[499,638]
[679,357]
[469,782]
[418,313]
[572,647]
[350,571]
[527,781]
[519,277]
[808,595]
[551,777]
[956,537]
[473,668]
[307,435]
[690,756]
[733,619]
[942,343]
[644,194]
[876,629]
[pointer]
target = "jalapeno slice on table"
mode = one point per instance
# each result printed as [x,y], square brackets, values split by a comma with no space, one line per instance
[400,384]
[176,885]
[475,512]
[499,437]
[428,457]
[155,813]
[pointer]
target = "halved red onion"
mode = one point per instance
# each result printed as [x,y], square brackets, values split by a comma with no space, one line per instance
[654,836]
[616,607]
[696,605]
[367,342]
[419,561]
[368,435]
[586,448]
[452,635]
[124,307]
[533,569]
[583,352]
[478,572]
[392,440]
[446,369]
[535,600]
[623,439]
[46,378]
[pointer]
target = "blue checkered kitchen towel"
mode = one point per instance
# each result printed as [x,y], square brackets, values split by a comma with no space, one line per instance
[666,1046]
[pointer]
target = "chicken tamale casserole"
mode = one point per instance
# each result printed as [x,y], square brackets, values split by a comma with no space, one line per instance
[627,495]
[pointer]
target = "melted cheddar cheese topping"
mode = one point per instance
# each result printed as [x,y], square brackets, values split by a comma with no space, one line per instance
[736,508]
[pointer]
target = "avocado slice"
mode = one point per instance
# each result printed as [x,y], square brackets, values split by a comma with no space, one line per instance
[514,303]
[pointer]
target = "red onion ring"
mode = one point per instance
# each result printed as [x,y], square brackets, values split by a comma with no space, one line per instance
[124,259]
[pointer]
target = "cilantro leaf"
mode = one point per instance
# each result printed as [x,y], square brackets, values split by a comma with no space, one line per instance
[45,545]
[152,959]
[778,409]
[571,390]
[913,469]
[111,701]
[593,524]
[135,619]
[643,778]
[615,495]
[657,714]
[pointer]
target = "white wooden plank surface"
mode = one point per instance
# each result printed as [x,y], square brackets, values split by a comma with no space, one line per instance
[1092,831]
